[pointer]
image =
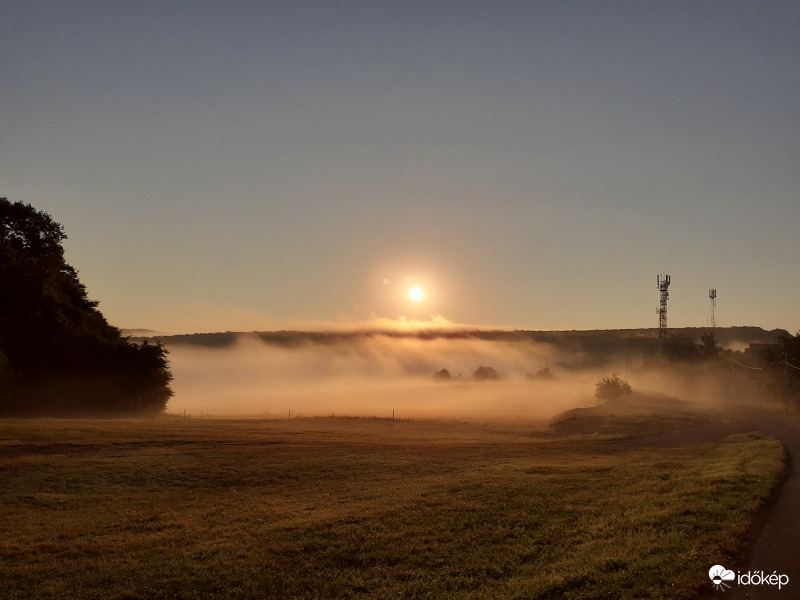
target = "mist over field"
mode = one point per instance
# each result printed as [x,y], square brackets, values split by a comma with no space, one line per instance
[372,375]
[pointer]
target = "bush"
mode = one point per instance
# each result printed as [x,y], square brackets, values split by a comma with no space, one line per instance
[486,374]
[612,388]
[541,374]
[443,375]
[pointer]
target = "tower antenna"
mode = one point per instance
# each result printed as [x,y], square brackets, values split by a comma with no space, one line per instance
[712,311]
[663,287]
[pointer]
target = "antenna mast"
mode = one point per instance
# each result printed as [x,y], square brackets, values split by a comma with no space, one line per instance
[663,287]
[712,311]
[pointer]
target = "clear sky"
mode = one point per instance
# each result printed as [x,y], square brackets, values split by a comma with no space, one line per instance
[268,165]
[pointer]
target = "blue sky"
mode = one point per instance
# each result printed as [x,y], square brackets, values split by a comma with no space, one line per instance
[264,165]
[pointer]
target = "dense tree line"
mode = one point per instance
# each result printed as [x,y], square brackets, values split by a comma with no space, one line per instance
[776,365]
[58,354]
[783,364]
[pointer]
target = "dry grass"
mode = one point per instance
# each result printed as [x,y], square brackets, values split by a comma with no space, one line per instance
[361,508]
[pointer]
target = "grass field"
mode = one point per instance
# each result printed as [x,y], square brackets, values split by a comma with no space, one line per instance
[366,508]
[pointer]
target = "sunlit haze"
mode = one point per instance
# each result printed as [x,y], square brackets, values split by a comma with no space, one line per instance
[308,165]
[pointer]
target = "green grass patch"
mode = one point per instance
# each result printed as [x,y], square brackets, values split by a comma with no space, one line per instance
[350,508]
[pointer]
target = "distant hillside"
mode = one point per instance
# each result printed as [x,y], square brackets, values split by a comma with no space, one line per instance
[591,341]
[140,333]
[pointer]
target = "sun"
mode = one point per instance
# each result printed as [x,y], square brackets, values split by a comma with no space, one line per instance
[416,294]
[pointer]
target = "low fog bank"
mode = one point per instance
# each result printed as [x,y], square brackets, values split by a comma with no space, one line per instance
[381,373]
[373,375]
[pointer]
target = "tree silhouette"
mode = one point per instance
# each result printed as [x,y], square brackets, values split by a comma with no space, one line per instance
[542,374]
[58,354]
[486,374]
[708,348]
[443,375]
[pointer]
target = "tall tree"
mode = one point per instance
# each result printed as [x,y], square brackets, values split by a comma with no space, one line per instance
[708,347]
[58,354]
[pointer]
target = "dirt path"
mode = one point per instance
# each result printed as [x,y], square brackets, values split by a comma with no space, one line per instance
[777,546]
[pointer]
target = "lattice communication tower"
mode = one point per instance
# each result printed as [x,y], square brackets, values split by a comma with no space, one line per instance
[712,310]
[663,287]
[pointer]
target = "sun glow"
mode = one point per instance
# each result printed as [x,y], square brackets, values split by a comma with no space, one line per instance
[416,294]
